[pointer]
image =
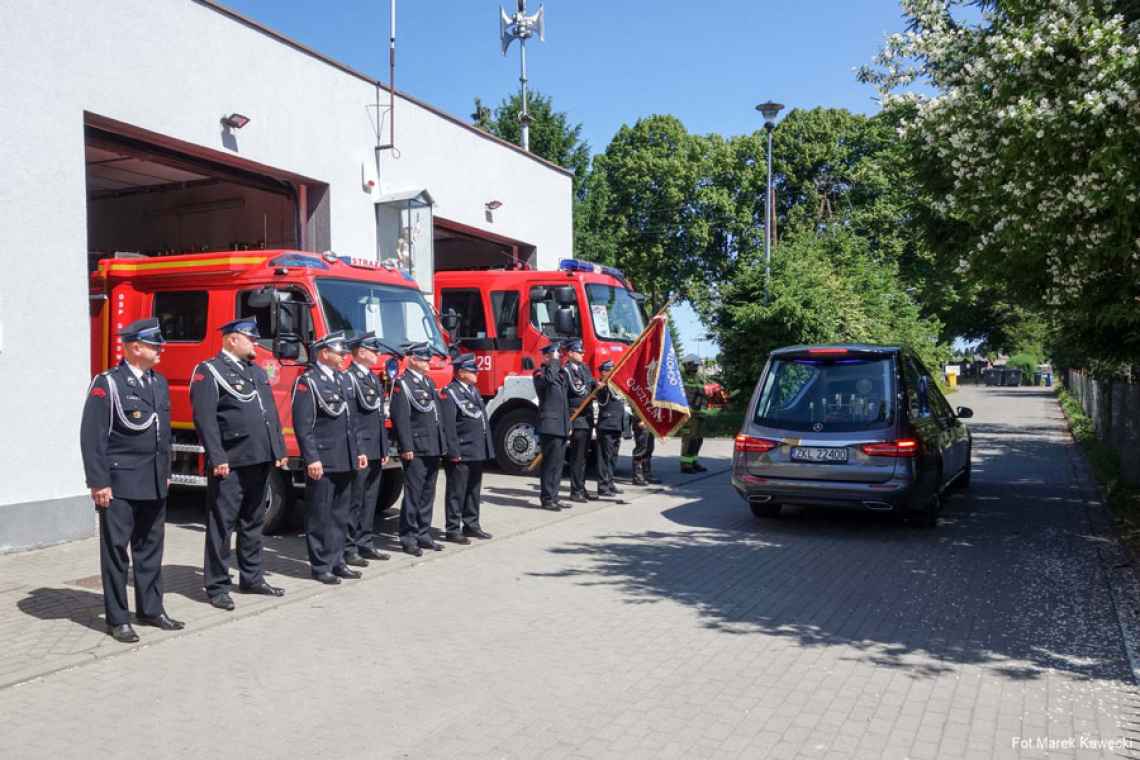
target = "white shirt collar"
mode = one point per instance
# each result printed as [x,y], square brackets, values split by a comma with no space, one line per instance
[231,357]
[138,373]
[414,374]
[327,370]
[363,369]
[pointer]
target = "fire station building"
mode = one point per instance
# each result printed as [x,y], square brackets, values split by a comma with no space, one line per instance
[144,127]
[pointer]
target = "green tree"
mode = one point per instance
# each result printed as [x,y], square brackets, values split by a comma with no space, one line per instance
[552,136]
[1029,155]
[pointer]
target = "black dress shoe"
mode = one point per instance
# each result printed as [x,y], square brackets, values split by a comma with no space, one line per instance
[457,538]
[415,551]
[342,571]
[476,533]
[652,480]
[262,588]
[435,546]
[163,621]
[123,633]
[591,496]
[355,560]
[369,553]
[579,498]
[552,507]
[222,602]
[326,578]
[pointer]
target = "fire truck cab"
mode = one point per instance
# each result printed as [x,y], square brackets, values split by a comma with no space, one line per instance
[293,295]
[506,316]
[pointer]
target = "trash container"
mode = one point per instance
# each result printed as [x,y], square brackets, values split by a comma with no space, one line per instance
[1011,377]
[952,380]
[1037,378]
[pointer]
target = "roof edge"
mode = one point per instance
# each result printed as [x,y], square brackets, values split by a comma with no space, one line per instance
[263,29]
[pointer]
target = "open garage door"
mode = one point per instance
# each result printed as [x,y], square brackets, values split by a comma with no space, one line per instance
[145,197]
[458,246]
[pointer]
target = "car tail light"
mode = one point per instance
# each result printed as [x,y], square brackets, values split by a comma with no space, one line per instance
[903,447]
[748,444]
[827,351]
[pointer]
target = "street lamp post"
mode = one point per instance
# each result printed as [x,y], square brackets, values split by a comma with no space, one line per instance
[769,111]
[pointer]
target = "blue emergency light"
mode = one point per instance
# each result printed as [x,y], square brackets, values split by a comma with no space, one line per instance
[575,265]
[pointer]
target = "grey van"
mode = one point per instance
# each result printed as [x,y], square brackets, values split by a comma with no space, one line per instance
[850,425]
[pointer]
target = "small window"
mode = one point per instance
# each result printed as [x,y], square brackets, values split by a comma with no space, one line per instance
[468,304]
[505,304]
[182,315]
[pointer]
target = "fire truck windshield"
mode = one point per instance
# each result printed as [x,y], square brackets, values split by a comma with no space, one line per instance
[396,314]
[615,313]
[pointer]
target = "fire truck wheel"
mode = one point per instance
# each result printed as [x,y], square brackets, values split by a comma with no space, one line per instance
[279,500]
[391,486]
[516,443]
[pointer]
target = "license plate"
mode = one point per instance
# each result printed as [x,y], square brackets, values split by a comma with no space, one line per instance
[819,454]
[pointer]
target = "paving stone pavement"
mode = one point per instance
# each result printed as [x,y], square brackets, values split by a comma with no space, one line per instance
[673,626]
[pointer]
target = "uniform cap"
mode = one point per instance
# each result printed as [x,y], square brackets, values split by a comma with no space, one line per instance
[691,359]
[364,340]
[144,331]
[572,345]
[465,362]
[247,327]
[420,350]
[550,348]
[334,341]
[606,366]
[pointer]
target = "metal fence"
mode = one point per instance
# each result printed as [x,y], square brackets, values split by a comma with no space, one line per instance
[1114,408]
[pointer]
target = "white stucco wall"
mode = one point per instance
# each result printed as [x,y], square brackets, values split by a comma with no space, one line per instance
[174,67]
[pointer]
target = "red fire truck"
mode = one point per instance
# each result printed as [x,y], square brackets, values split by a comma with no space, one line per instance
[293,295]
[506,316]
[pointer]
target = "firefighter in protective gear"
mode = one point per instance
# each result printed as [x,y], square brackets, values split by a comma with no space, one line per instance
[691,433]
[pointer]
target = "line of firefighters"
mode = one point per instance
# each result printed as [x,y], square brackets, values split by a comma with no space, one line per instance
[339,421]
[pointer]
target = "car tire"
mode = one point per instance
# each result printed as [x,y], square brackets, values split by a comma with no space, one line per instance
[928,518]
[765,510]
[514,429]
[279,502]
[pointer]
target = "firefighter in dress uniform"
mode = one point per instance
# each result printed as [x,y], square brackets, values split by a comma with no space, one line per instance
[550,383]
[125,437]
[468,447]
[372,440]
[421,441]
[691,433]
[236,419]
[326,433]
[611,422]
[580,382]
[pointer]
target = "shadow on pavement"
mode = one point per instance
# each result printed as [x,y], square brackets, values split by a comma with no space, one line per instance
[84,608]
[1010,579]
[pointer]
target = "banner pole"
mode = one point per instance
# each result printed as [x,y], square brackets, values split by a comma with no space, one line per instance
[626,355]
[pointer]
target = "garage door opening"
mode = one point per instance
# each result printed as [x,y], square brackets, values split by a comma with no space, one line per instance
[458,246]
[147,198]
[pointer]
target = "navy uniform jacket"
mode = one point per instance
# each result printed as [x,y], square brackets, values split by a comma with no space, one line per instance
[125,434]
[611,410]
[371,437]
[580,383]
[234,413]
[323,421]
[416,416]
[465,422]
[553,409]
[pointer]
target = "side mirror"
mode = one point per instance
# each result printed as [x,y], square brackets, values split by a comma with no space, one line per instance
[565,296]
[287,347]
[564,322]
[964,412]
[450,321]
[392,368]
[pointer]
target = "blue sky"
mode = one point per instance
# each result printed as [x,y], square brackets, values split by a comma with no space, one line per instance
[610,63]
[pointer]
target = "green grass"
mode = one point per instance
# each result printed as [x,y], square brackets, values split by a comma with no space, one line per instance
[1123,500]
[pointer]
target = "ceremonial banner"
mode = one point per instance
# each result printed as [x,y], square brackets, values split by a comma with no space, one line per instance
[650,379]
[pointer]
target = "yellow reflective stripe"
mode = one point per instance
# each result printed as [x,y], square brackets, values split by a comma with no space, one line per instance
[158,265]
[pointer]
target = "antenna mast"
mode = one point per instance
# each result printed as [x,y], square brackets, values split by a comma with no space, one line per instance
[521,27]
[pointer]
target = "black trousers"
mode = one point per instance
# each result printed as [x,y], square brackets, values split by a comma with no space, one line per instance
[420,476]
[238,498]
[326,519]
[643,445]
[609,441]
[553,458]
[365,497]
[464,488]
[140,524]
[579,446]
